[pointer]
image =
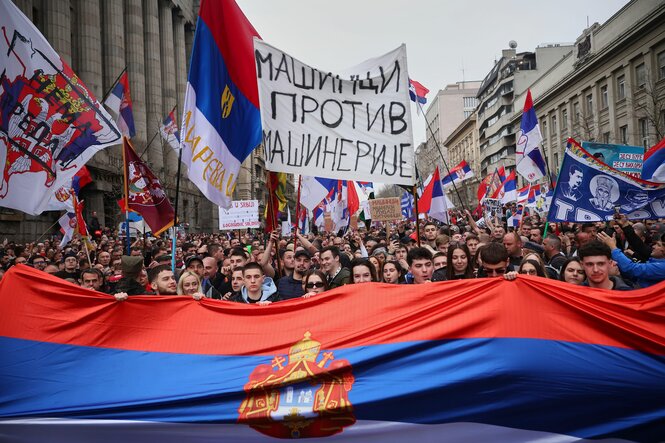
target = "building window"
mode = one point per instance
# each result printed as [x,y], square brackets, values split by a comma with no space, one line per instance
[606,137]
[623,134]
[553,122]
[640,75]
[576,110]
[621,87]
[603,97]
[643,124]
[661,65]
[556,162]
[589,105]
[543,125]
[564,120]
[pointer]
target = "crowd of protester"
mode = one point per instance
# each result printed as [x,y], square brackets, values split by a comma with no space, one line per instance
[253,267]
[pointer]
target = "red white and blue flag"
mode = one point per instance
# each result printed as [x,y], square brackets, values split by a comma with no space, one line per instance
[534,195]
[169,131]
[50,122]
[509,187]
[653,168]
[457,174]
[417,92]
[314,189]
[492,360]
[529,159]
[433,200]
[523,194]
[221,122]
[81,179]
[120,102]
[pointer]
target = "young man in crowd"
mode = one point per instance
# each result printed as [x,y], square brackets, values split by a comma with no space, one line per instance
[257,287]
[290,286]
[495,260]
[331,266]
[597,261]
[92,279]
[555,258]
[71,270]
[420,264]
[513,244]
[195,264]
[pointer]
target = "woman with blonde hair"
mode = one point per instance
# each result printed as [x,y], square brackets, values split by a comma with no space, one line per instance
[190,284]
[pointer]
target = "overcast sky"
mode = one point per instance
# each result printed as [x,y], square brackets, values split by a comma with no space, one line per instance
[441,36]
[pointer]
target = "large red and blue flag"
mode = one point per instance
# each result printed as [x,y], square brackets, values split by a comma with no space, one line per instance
[472,360]
[221,122]
[418,92]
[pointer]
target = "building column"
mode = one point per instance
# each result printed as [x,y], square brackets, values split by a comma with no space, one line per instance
[153,80]
[89,55]
[135,61]
[57,15]
[25,6]
[181,57]
[168,78]
[113,37]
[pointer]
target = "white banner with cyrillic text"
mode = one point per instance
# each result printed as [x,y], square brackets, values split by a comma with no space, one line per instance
[354,126]
[242,214]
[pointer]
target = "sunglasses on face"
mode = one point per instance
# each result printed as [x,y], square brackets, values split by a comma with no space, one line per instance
[494,271]
[314,284]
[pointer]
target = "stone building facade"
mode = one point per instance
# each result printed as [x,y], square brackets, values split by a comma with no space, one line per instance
[610,88]
[152,39]
[511,75]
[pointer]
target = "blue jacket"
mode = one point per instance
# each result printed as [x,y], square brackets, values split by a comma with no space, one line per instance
[644,274]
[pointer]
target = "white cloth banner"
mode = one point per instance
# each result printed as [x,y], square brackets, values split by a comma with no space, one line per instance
[354,126]
[50,122]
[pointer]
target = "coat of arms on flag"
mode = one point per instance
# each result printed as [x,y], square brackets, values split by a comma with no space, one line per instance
[277,406]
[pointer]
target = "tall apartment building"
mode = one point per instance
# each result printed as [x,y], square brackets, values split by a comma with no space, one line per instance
[447,110]
[610,88]
[153,40]
[511,75]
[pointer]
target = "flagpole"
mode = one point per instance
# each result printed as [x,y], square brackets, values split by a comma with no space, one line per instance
[175,209]
[415,203]
[547,222]
[47,230]
[113,85]
[445,164]
[295,238]
[273,216]
[124,162]
[148,145]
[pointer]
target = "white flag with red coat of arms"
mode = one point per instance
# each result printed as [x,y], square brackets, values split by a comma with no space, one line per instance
[50,122]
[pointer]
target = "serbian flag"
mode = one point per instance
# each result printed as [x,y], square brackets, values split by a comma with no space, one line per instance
[534,195]
[492,360]
[144,193]
[509,188]
[120,102]
[314,189]
[221,122]
[529,159]
[457,174]
[523,194]
[81,179]
[417,92]
[515,217]
[67,227]
[653,168]
[169,131]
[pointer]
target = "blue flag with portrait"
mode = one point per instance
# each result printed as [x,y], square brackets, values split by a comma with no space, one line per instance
[589,190]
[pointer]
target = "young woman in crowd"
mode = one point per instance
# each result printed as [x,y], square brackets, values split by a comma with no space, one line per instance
[572,271]
[314,282]
[532,267]
[393,272]
[189,284]
[363,271]
[460,265]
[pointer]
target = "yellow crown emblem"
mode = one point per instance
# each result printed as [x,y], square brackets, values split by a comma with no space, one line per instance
[304,350]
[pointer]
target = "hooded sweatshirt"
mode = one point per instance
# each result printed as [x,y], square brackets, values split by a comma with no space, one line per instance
[268,292]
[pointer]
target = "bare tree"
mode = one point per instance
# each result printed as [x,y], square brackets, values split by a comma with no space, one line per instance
[648,101]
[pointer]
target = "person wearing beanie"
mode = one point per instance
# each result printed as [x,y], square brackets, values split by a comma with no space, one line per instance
[132,265]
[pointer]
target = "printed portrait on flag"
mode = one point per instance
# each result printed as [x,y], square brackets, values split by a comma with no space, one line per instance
[50,123]
[349,126]
[589,190]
